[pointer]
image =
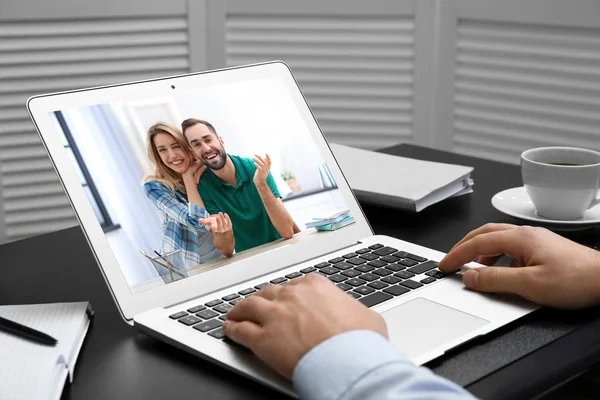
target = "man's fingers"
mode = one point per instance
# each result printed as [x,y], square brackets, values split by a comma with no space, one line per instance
[487,228]
[245,333]
[227,222]
[220,222]
[254,308]
[269,293]
[489,260]
[507,241]
[206,221]
[501,280]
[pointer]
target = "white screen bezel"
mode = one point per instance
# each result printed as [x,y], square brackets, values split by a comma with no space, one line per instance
[131,304]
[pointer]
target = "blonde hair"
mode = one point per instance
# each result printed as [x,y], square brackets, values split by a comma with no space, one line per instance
[162,173]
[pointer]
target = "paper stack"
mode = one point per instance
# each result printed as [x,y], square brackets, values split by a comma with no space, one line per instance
[401,182]
[331,221]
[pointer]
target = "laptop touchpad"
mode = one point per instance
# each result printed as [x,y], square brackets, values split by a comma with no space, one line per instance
[421,325]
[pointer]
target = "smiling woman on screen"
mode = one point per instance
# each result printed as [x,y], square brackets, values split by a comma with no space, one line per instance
[172,188]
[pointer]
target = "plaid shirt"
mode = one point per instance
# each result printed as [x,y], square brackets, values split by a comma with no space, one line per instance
[181,229]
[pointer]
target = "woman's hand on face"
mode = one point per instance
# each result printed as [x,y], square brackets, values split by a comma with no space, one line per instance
[195,170]
[218,224]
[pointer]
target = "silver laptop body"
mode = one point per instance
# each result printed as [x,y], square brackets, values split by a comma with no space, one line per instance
[431,315]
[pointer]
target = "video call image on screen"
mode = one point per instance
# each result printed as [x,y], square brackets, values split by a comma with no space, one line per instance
[186,183]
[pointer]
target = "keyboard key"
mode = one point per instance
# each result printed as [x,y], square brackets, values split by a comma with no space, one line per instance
[426,266]
[404,274]
[329,270]
[365,268]
[344,286]
[389,259]
[364,290]
[351,273]
[396,290]
[180,314]
[223,308]
[308,270]
[277,281]
[362,251]
[410,284]
[431,273]
[404,254]
[350,255]
[337,278]
[356,261]
[208,325]
[322,265]
[355,282]
[223,317]
[207,314]
[400,254]
[247,291]
[344,266]
[391,280]
[377,285]
[375,298]
[369,257]
[355,295]
[384,251]
[293,275]
[217,333]
[231,297]
[382,272]
[194,310]
[213,303]
[395,267]
[429,279]
[234,302]
[189,320]
[377,263]
[376,246]
[336,260]
[262,285]
[438,275]
[408,262]
[369,277]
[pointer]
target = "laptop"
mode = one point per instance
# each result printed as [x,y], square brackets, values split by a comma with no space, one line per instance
[97,141]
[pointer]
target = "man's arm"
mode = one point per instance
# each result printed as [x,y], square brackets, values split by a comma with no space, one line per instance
[279,216]
[362,364]
[331,345]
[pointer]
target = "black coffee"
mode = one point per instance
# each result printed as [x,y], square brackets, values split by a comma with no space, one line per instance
[567,164]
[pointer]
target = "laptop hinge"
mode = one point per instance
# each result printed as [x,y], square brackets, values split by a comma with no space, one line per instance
[258,276]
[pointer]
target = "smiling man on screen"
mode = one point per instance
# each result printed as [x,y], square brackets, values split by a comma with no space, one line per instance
[241,187]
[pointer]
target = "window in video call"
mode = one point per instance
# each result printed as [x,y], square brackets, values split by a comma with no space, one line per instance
[186,183]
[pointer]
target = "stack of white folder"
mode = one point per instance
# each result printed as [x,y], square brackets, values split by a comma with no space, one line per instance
[401,182]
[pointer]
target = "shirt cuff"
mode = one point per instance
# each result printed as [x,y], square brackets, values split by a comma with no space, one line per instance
[330,368]
[195,212]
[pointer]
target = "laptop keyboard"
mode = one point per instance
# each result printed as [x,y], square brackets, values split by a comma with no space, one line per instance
[371,275]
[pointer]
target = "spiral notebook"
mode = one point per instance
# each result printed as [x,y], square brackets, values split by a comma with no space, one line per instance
[29,370]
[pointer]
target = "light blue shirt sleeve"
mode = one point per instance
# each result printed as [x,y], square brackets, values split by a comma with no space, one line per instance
[364,365]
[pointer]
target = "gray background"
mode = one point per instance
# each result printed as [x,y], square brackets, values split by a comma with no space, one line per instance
[479,77]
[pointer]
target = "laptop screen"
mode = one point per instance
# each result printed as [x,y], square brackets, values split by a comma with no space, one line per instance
[190,182]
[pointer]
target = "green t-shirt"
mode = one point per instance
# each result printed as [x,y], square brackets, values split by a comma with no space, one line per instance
[250,222]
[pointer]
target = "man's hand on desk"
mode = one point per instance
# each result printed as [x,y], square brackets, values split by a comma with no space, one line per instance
[547,268]
[280,324]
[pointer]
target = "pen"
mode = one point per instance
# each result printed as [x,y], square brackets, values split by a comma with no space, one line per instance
[26,332]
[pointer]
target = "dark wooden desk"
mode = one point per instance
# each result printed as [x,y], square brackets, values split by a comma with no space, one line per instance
[118,362]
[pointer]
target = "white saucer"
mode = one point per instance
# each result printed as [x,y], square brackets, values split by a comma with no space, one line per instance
[516,203]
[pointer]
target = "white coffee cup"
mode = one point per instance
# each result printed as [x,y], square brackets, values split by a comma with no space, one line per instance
[562,182]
